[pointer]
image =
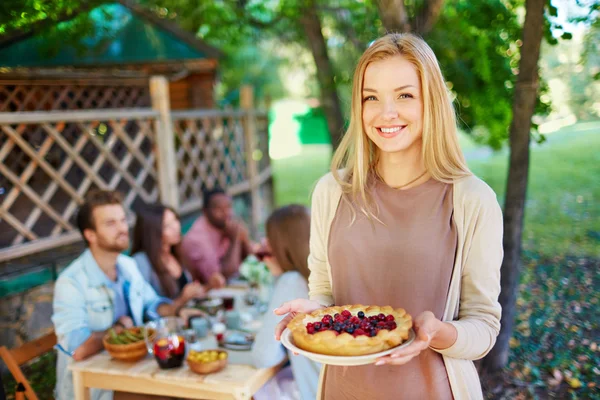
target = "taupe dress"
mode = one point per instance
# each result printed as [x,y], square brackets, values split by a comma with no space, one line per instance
[405,263]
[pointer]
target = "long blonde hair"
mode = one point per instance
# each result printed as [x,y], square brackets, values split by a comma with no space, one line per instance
[442,155]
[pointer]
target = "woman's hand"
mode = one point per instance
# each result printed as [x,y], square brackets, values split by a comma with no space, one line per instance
[291,308]
[430,331]
[193,290]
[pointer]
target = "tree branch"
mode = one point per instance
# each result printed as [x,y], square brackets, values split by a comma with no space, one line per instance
[343,17]
[38,26]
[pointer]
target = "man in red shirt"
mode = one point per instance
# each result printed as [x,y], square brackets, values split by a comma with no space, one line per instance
[217,242]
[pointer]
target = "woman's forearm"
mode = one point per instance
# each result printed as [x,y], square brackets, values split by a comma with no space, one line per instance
[444,337]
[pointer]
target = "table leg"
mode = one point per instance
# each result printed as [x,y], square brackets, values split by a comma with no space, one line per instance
[81,392]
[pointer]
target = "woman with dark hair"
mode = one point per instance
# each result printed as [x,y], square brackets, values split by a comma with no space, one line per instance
[285,253]
[156,241]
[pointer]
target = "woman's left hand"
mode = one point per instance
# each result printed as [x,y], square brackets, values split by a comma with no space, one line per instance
[426,326]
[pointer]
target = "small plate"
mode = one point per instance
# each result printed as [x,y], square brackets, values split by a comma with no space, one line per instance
[237,340]
[288,341]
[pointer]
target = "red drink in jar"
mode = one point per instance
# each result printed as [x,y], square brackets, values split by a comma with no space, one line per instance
[169,351]
[228,303]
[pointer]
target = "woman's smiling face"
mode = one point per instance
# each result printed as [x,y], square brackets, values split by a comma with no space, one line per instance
[392,105]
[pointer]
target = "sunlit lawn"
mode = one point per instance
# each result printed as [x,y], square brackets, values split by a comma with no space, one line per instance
[563,200]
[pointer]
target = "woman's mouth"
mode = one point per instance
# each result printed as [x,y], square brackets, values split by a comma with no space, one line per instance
[390,131]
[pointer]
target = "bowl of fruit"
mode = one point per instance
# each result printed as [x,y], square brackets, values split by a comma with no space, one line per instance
[128,344]
[207,361]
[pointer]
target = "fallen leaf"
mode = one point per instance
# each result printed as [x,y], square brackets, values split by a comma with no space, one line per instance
[574,383]
[557,378]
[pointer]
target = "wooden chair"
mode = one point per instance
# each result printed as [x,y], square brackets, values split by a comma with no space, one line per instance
[16,357]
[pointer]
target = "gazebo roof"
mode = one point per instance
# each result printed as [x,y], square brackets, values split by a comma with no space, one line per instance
[132,36]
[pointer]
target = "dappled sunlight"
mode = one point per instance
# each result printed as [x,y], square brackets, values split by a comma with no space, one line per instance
[285,128]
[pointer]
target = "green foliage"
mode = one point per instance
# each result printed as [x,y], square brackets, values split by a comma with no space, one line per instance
[563,192]
[477,43]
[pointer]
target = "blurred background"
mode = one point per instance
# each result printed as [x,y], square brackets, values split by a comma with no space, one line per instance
[298,57]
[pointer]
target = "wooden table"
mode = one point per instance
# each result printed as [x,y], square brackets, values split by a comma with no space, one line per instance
[239,380]
[236,381]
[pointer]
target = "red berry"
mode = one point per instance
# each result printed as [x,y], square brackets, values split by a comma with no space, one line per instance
[359,332]
[381,317]
[346,313]
[310,329]
[393,326]
[389,318]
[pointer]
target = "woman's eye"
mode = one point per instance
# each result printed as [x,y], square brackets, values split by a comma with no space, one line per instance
[368,98]
[405,96]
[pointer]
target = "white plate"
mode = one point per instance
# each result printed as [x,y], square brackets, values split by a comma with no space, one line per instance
[288,341]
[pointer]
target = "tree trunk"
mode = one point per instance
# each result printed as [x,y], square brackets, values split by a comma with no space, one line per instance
[516,187]
[393,15]
[428,16]
[329,96]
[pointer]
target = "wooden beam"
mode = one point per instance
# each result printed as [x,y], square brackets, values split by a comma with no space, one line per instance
[34,348]
[249,123]
[34,117]
[10,253]
[199,114]
[164,142]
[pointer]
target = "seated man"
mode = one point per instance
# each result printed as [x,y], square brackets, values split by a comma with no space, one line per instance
[216,244]
[101,289]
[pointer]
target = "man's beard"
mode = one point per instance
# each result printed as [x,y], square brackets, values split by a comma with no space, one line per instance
[113,246]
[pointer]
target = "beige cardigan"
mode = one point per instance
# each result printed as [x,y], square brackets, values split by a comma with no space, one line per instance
[472,305]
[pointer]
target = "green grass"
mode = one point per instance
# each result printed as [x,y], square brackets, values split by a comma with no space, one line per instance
[295,177]
[562,213]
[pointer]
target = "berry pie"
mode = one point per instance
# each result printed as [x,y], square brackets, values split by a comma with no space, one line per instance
[352,330]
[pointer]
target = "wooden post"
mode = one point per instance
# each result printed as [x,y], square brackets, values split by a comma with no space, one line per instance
[166,159]
[247,104]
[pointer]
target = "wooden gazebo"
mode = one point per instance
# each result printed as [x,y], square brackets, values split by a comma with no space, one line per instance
[136,116]
[109,69]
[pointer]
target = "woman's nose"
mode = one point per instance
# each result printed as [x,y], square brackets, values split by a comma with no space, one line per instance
[389,111]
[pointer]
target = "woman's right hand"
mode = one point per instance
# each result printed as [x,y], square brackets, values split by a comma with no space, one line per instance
[291,308]
[193,290]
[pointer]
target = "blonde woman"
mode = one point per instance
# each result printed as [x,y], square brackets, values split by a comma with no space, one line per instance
[401,221]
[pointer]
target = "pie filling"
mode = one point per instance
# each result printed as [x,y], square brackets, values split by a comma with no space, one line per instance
[356,325]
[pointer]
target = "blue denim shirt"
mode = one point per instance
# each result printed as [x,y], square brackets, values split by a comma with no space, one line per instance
[84,302]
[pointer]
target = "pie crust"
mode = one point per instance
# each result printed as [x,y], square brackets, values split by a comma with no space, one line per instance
[345,344]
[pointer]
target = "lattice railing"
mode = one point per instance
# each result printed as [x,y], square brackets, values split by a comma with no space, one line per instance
[18,96]
[48,162]
[211,151]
